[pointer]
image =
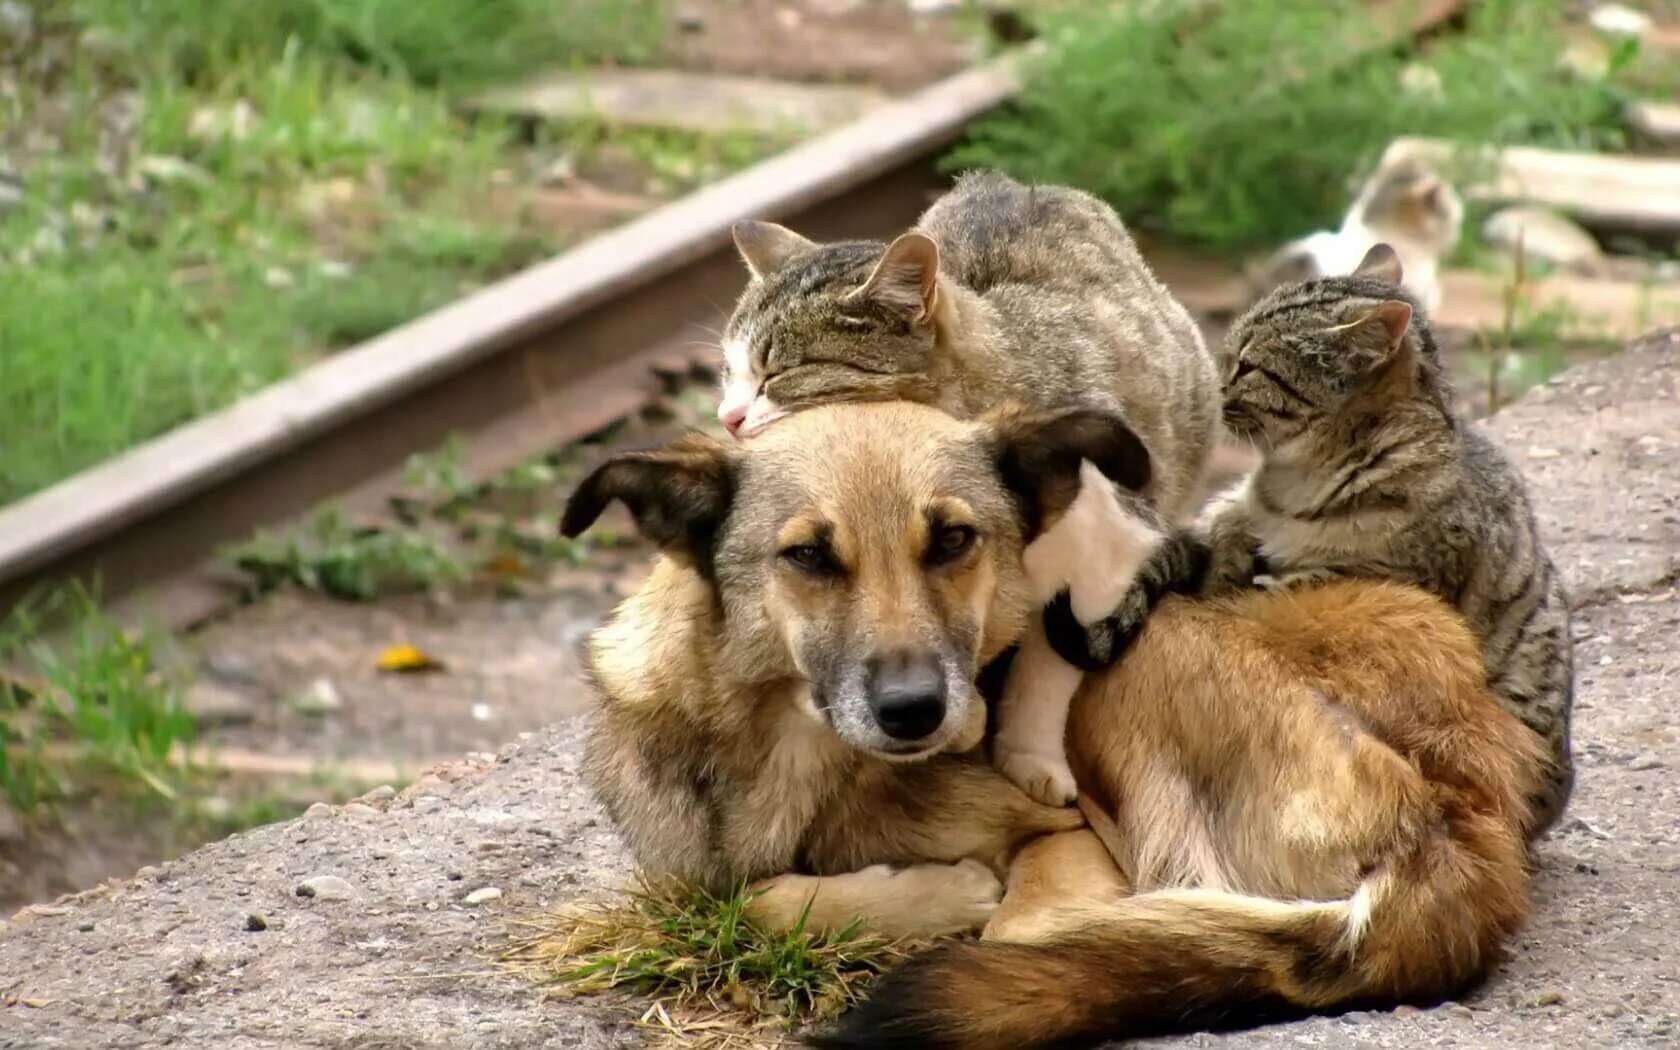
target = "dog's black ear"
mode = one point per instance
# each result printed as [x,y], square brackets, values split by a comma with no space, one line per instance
[679,495]
[1038,456]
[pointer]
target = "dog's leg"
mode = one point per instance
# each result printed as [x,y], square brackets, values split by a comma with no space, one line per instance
[1054,882]
[923,900]
[1032,721]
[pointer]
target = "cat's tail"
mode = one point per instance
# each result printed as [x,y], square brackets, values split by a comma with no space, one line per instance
[1419,928]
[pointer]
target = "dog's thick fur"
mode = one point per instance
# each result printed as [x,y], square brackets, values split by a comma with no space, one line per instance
[1319,799]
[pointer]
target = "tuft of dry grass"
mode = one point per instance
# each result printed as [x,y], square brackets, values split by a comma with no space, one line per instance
[716,979]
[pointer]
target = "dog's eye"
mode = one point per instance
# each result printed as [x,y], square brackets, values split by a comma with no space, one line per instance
[949,542]
[812,558]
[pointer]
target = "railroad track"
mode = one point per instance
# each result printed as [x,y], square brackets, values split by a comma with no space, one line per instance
[530,363]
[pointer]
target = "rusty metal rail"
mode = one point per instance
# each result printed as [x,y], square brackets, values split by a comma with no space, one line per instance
[536,360]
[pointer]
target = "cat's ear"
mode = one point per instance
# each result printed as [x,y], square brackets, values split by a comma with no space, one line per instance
[1381,263]
[906,280]
[1379,334]
[679,496]
[1038,456]
[766,247]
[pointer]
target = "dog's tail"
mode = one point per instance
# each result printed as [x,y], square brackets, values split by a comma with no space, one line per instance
[1420,927]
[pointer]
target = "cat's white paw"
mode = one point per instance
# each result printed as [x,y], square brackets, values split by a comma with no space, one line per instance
[1045,777]
[928,900]
[974,893]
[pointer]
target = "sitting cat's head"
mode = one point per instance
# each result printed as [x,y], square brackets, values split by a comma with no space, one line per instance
[1307,354]
[1408,200]
[825,323]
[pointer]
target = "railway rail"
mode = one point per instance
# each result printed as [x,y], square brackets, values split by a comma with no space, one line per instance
[539,359]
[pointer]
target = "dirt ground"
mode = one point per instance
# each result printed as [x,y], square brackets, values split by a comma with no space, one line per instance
[220,949]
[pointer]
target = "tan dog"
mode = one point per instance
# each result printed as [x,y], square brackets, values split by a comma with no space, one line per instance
[1319,800]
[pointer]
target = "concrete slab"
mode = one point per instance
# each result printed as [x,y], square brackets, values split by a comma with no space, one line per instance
[707,103]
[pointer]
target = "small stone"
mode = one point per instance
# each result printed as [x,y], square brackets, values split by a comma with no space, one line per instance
[326,888]
[11,825]
[358,810]
[1544,235]
[1550,997]
[255,923]
[1645,760]
[1460,1010]
[11,193]
[482,896]
[381,793]
[172,170]
[1619,20]
[214,705]
[84,927]
[318,698]
[317,810]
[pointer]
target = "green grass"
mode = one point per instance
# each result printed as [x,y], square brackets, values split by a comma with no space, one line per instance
[355,563]
[702,960]
[216,193]
[1238,125]
[93,702]
[428,41]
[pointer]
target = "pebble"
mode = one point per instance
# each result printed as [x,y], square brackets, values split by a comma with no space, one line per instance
[318,809]
[1548,998]
[1645,760]
[326,888]
[381,793]
[482,896]
[1460,1010]
[216,705]
[318,698]
[359,810]
[255,923]
[11,825]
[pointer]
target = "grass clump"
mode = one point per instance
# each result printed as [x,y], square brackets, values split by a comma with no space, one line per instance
[96,700]
[428,41]
[1242,124]
[357,563]
[712,973]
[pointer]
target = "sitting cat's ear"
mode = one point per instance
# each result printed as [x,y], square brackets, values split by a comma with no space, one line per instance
[766,247]
[906,280]
[1038,456]
[1381,263]
[679,496]
[1378,335]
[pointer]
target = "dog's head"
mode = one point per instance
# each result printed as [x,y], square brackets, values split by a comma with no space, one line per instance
[872,551]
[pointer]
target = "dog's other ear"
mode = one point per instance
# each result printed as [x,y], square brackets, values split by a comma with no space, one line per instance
[679,496]
[766,247]
[1038,456]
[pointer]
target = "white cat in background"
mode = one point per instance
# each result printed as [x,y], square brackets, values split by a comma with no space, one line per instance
[1402,204]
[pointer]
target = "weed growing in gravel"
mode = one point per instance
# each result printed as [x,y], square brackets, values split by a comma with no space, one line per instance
[344,560]
[711,972]
[1239,124]
[93,698]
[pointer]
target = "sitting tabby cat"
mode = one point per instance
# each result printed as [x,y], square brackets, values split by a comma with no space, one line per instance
[1004,294]
[1368,471]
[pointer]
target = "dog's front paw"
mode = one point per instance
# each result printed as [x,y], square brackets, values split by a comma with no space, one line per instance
[1045,777]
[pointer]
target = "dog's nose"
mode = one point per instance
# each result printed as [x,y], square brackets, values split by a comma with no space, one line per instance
[907,693]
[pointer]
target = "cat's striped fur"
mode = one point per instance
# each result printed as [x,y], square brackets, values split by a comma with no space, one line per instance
[1369,471]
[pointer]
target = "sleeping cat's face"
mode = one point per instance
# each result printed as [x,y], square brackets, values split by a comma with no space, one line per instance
[1304,352]
[826,323]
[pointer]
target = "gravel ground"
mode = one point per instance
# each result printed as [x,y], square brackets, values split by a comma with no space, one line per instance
[397,958]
